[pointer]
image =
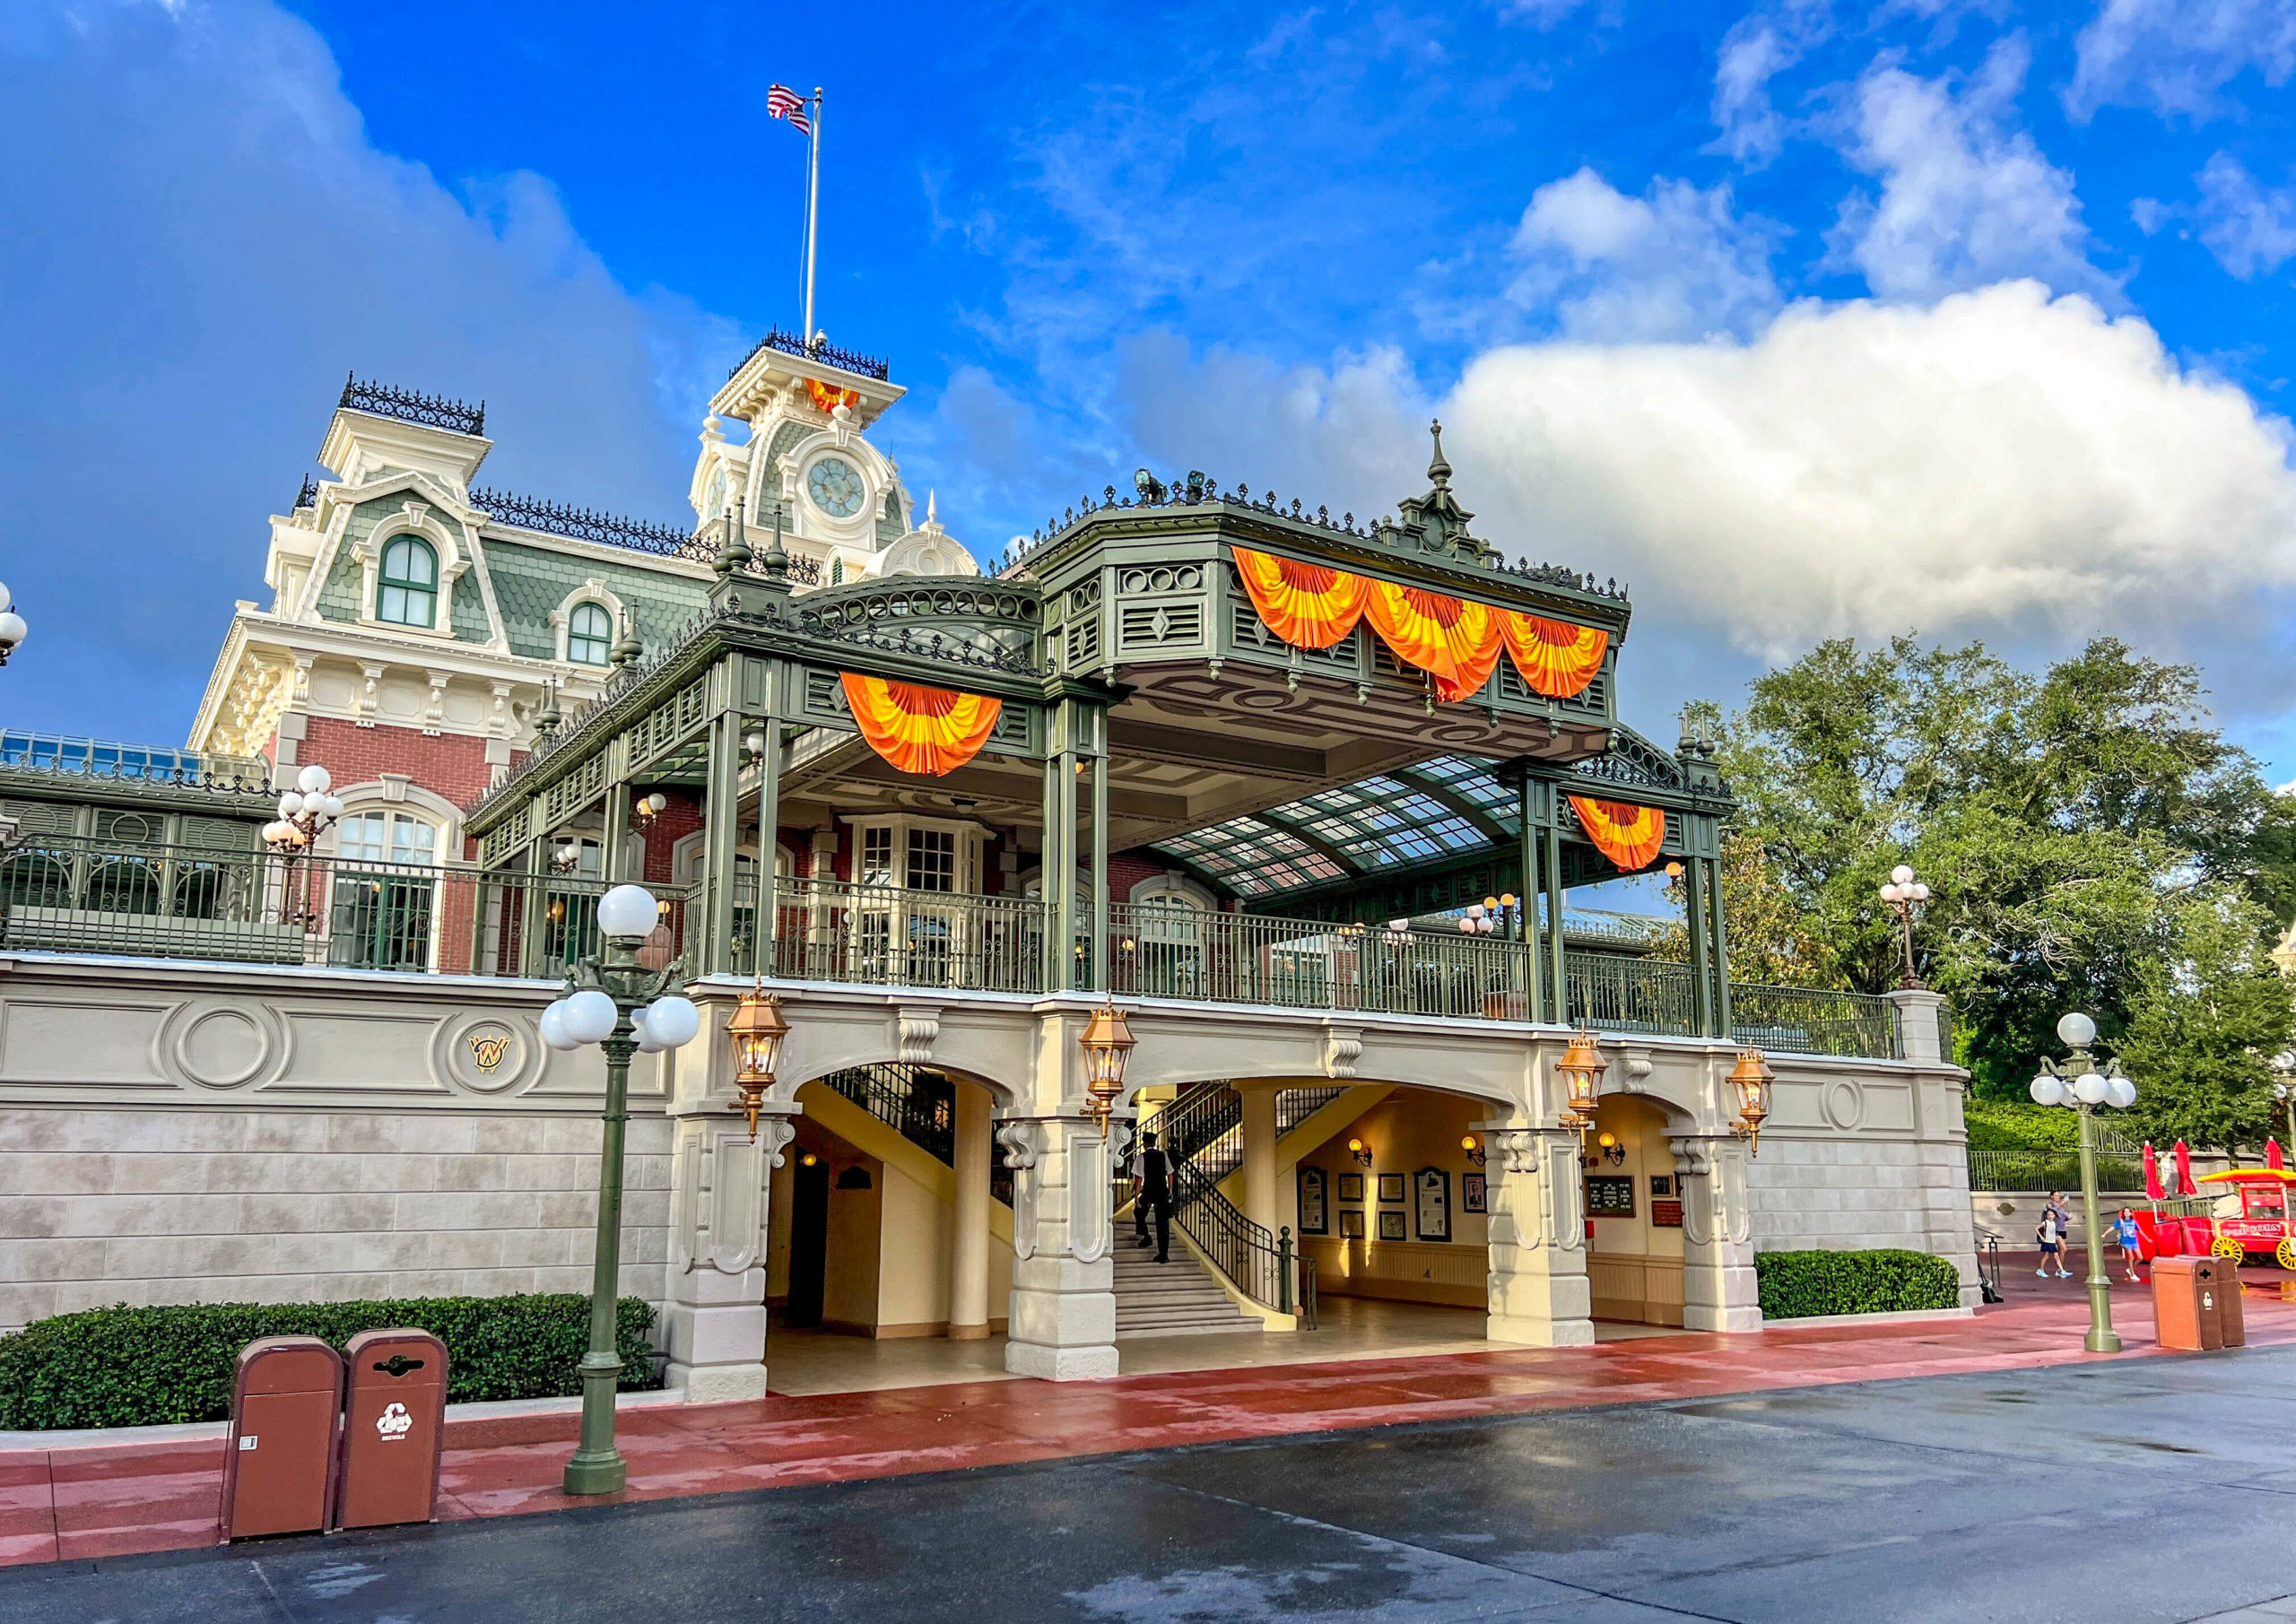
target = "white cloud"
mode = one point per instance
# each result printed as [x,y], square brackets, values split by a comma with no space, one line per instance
[1966,198]
[1758,49]
[196,241]
[2175,56]
[2003,461]
[2251,228]
[1674,262]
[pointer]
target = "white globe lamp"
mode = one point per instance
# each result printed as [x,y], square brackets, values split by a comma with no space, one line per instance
[1901,875]
[589,1017]
[314,780]
[647,1044]
[2046,1090]
[290,804]
[2089,1089]
[2120,1093]
[627,910]
[552,1026]
[2076,1030]
[673,1021]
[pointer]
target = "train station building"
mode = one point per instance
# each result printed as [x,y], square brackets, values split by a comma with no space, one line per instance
[1304,797]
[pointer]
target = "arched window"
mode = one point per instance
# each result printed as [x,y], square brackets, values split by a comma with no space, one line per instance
[409,593]
[589,634]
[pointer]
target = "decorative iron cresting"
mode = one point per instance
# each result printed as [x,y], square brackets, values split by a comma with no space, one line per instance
[835,355]
[412,405]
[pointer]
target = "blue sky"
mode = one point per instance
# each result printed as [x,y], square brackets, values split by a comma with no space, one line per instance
[1972,319]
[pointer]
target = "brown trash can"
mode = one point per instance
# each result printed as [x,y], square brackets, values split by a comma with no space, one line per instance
[279,1460]
[2184,1303]
[2231,1317]
[394,1428]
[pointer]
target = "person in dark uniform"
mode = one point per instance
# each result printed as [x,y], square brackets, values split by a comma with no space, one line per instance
[1155,1194]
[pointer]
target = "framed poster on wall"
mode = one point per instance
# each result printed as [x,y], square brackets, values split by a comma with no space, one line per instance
[1391,1187]
[1610,1196]
[1351,1223]
[1351,1186]
[1473,1196]
[1313,1218]
[1430,1190]
[1391,1226]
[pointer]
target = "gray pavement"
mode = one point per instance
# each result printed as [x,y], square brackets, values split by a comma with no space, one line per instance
[2150,1489]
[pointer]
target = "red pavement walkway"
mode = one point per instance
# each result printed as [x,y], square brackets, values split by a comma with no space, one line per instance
[78,1503]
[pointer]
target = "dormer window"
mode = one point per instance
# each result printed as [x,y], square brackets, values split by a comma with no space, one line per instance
[408,594]
[589,634]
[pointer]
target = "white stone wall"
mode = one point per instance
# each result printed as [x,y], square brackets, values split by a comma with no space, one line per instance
[145,1206]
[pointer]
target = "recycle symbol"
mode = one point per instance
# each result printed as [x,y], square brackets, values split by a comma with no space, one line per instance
[394,1421]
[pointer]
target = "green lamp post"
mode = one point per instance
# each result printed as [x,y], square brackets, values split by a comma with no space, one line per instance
[2075,1082]
[615,1001]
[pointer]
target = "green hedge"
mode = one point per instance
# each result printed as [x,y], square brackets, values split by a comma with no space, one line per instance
[1803,1285]
[128,1367]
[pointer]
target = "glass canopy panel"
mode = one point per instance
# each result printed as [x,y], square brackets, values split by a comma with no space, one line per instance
[1379,823]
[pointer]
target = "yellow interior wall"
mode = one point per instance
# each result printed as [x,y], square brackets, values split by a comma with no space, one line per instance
[913,1266]
[855,1230]
[1640,1131]
[1410,1129]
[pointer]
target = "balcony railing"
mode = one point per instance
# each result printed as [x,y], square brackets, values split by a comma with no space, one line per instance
[186,902]
[68,895]
[63,755]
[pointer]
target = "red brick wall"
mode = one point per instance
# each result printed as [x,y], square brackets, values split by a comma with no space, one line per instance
[450,765]
[670,825]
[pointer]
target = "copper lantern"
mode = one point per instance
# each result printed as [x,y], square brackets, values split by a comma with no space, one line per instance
[1581,1069]
[1108,1045]
[1752,1079]
[756,1030]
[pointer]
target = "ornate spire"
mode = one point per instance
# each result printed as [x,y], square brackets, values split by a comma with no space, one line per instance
[777,557]
[1439,471]
[733,547]
[627,649]
[546,719]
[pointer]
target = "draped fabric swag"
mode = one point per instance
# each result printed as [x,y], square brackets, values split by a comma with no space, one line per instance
[930,730]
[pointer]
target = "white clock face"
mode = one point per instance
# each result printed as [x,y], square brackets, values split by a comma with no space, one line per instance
[836,489]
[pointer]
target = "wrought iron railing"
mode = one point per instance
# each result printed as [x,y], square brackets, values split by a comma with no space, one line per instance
[72,896]
[1812,1021]
[2030,1170]
[885,935]
[915,1101]
[1201,1135]
[412,405]
[792,343]
[1189,953]
[59,753]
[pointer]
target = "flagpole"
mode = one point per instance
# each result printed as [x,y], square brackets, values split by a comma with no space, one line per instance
[813,213]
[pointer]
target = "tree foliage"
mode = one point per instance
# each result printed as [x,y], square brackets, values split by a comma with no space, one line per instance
[2206,1018]
[2059,817]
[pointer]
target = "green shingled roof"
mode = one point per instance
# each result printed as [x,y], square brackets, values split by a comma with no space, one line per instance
[531,582]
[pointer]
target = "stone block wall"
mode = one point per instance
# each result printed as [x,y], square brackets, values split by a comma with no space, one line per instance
[104,1206]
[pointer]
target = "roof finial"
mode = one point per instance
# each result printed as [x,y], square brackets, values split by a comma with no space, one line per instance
[1439,470]
[932,506]
[777,557]
[733,548]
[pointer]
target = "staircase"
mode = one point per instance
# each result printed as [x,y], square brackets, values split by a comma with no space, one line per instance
[1177,1299]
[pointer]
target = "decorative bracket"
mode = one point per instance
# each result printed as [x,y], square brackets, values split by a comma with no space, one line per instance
[920,1029]
[1342,1047]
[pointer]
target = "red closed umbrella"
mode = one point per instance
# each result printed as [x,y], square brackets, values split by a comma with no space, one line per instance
[2153,1190]
[2272,1154]
[2185,1186]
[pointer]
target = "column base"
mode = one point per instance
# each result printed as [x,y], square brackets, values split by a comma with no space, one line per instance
[1701,1317]
[719,1384]
[1080,1364]
[969,1334]
[1539,1332]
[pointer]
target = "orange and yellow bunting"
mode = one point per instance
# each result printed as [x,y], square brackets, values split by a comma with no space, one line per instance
[828,397]
[1629,835]
[918,729]
[1453,640]
[1556,658]
[1456,641]
[1308,605]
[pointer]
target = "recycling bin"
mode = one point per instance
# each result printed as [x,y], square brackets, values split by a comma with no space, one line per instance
[2185,1311]
[279,1460]
[393,1427]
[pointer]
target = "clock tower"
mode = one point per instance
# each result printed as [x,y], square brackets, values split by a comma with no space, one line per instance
[807,466]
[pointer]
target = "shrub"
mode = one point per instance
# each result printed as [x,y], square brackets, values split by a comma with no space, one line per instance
[1803,1285]
[2019,1127]
[128,1367]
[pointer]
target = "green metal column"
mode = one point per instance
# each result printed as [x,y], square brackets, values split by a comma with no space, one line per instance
[1723,1025]
[1701,948]
[1062,873]
[768,842]
[1535,984]
[1099,919]
[615,868]
[538,884]
[721,841]
[1558,973]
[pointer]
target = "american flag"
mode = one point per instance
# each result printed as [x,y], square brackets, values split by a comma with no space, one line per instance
[782,103]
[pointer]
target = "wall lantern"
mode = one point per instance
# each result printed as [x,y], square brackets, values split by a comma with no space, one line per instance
[1107,1046]
[1475,1153]
[1614,1152]
[1581,1069]
[1752,1079]
[1360,1152]
[647,808]
[755,1029]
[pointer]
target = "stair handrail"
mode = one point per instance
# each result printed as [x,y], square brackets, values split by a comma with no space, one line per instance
[1250,1256]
